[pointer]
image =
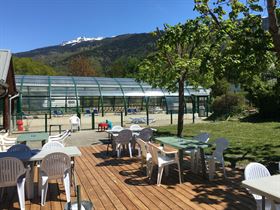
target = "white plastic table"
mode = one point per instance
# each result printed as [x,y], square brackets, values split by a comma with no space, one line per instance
[38,155]
[267,187]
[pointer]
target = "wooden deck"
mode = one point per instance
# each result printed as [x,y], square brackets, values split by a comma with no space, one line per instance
[112,183]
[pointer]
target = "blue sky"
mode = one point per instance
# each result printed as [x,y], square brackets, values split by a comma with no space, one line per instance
[30,24]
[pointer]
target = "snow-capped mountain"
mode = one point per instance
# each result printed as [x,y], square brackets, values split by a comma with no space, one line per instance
[81,39]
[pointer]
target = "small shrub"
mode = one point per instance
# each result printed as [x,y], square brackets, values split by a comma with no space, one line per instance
[228,105]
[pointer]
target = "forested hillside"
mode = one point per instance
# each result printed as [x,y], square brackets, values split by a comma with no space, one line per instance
[113,57]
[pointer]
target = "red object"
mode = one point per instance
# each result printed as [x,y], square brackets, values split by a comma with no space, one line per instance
[102,126]
[20,125]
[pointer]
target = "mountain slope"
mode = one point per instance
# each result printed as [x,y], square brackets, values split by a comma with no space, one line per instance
[104,52]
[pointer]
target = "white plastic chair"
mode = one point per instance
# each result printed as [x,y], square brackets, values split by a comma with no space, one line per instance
[55,166]
[160,158]
[135,127]
[6,142]
[61,139]
[146,134]
[255,171]
[195,153]
[145,155]
[12,173]
[217,156]
[52,145]
[123,139]
[75,123]
[59,135]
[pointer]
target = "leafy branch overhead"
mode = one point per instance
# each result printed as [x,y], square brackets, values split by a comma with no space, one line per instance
[180,55]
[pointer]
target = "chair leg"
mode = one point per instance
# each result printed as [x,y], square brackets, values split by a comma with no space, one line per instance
[166,172]
[179,170]
[160,171]
[21,197]
[130,151]
[193,160]
[211,168]
[118,148]
[148,167]
[151,170]
[44,189]
[224,170]
[66,181]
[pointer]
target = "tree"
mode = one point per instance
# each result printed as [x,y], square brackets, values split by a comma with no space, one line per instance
[249,55]
[180,58]
[81,66]
[27,66]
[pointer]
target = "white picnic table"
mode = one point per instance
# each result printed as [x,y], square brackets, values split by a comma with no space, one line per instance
[268,187]
[38,155]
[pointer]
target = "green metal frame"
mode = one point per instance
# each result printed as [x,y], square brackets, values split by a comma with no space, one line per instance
[50,96]
[124,98]
[101,97]
[76,94]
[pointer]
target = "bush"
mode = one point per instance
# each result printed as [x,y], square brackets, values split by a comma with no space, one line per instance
[228,105]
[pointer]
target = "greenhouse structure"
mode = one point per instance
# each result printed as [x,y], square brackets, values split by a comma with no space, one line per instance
[67,94]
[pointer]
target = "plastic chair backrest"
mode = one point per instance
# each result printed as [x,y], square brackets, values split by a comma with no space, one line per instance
[19,148]
[255,170]
[221,146]
[143,146]
[124,137]
[202,137]
[55,165]
[146,134]
[154,150]
[11,169]
[117,128]
[135,127]
[74,120]
[52,145]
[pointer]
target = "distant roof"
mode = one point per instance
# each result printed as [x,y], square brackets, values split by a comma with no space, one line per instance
[5,59]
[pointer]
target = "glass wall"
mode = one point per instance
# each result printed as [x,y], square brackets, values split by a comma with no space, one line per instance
[62,94]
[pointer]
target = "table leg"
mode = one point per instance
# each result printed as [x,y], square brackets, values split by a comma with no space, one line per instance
[263,202]
[73,176]
[59,129]
[181,159]
[203,165]
[30,182]
[50,130]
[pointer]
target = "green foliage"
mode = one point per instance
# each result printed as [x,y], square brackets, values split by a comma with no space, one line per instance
[123,67]
[220,87]
[27,66]
[228,105]
[81,66]
[180,55]
[247,55]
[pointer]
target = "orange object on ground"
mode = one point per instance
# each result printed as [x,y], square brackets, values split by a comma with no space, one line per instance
[20,125]
[102,126]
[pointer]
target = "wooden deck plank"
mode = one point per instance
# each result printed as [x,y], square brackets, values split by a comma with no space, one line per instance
[105,183]
[129,195]
[119,183]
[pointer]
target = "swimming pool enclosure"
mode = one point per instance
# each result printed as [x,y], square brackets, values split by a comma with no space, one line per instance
[67,94]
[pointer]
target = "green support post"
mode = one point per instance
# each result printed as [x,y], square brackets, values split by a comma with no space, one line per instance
[207,106]
[147,113]
[92,121]
[122,119]
[46,122]
[79,116]
[171,117]
[193,109]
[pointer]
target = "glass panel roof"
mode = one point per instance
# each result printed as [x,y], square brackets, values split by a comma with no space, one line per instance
[89,86]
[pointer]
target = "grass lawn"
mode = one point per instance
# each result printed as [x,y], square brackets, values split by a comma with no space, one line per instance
[248,141]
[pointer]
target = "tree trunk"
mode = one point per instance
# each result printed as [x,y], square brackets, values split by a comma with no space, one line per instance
[273,25]
[181,108]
